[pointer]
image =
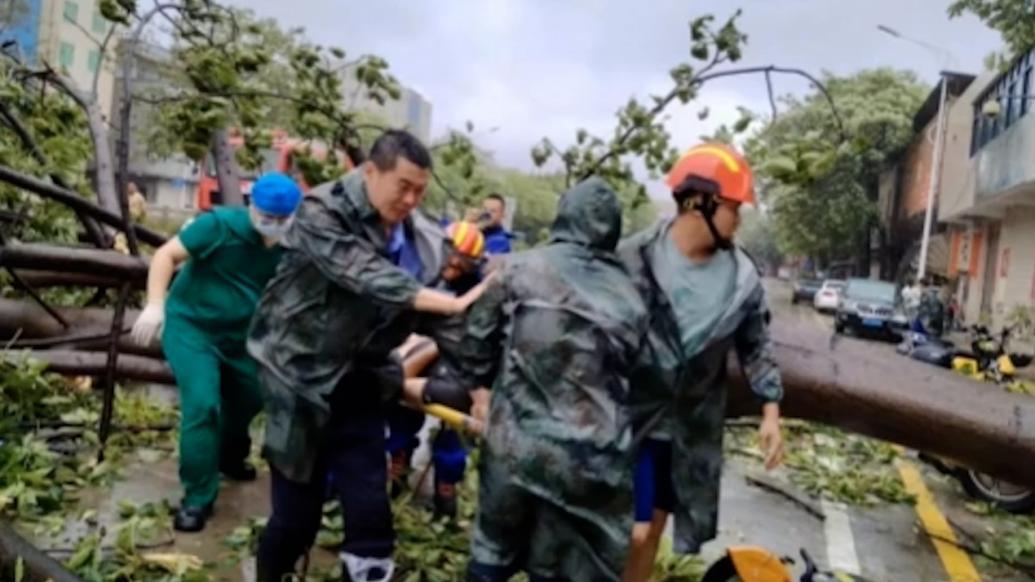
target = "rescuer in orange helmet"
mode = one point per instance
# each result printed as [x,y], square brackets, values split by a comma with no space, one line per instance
[706,299]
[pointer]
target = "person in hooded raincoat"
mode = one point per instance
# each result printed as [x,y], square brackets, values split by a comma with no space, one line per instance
[706,299]
[228,256]
[554,336]
[356,273]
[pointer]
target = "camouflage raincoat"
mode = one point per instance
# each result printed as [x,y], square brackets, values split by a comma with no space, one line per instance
[554,336]
[683,396]
[336,307]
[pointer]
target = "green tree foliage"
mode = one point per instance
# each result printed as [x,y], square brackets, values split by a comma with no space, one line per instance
[1013,19]
[57,126]
[821,182]
[235,70]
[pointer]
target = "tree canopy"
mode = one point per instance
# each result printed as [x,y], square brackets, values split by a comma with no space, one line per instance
[820,177]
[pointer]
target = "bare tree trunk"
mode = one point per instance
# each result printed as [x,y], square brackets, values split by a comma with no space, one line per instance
[94,262]
[104,168]
[228,173]
[76,202]
[128,367]
[897,399]
[46,279]
[38,565]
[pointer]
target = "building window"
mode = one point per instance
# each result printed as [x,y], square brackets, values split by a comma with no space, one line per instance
[71,11]
[93,62]
[1012,90]
[66,56]
[100,24]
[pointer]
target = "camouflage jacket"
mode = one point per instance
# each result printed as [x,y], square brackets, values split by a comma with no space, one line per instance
[685,398]
[555,335]
[336,307]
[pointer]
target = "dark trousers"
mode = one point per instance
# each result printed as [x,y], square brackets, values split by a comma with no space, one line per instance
[353,460]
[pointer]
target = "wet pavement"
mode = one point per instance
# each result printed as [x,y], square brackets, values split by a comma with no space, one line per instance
[886,542]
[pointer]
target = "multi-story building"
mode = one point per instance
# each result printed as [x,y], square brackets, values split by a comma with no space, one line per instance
[988,195]
[67,34]
[905,186]
[411,111]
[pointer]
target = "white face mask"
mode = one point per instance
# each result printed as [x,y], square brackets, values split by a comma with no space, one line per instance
[269,227]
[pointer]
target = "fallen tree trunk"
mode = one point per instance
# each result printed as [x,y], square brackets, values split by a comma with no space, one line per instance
[109,264]
[128,367]
[845,384]
[29,326]
[77,203]
[38,566]
[45,279]
[897,399]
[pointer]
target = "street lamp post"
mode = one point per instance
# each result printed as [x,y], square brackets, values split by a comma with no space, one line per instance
[936,168]
[939,143]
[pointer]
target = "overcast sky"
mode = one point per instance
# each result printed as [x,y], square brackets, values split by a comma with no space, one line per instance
[537,68]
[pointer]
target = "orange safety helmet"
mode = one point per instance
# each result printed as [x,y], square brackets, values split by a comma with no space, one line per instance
[719,164]
[467,238]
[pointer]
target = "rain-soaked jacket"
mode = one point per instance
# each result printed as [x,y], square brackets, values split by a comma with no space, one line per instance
[685,398]
[333,313]
[555,335]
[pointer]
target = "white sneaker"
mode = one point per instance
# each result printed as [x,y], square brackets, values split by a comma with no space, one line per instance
[363,569]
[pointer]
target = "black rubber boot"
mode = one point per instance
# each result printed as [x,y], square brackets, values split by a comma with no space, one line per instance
[192,519]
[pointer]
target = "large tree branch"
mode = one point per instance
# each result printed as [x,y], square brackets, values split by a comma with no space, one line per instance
[128,367]
[653,113]
[783,70]
[104,173]
[92,229]
[73,260]
[76,202]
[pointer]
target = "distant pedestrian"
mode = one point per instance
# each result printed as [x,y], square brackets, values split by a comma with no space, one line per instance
[497,238]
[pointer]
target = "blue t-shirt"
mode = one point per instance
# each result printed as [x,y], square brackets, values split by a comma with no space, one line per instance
[403,252]
[497,240]
[699,292]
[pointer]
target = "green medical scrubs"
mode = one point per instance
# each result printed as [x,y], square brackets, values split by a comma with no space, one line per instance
[207,314]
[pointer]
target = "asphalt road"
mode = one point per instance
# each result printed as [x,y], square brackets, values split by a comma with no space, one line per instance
[887,542]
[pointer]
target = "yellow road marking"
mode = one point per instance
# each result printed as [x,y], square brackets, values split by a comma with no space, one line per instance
[956,562]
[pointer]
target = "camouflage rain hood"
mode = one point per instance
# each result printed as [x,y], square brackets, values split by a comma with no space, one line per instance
[554,336]
[683,396]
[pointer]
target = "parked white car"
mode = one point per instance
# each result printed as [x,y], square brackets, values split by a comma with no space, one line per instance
[829,295]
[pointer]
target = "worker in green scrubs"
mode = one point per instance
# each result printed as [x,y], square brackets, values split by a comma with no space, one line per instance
[228,256]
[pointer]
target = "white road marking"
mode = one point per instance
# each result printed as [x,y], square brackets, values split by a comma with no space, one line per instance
[840,542]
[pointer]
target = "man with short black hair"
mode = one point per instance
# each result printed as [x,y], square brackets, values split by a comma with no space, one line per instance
[355,273]
[497,239]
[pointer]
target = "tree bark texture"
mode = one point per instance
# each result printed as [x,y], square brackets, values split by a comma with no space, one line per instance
[228,174]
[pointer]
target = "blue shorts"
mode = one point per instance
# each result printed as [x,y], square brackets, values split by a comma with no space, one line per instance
[652,481]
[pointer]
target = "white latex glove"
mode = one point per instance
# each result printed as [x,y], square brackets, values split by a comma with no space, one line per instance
[148,324]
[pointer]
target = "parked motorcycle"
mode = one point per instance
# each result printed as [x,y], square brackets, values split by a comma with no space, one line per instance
[989,358]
